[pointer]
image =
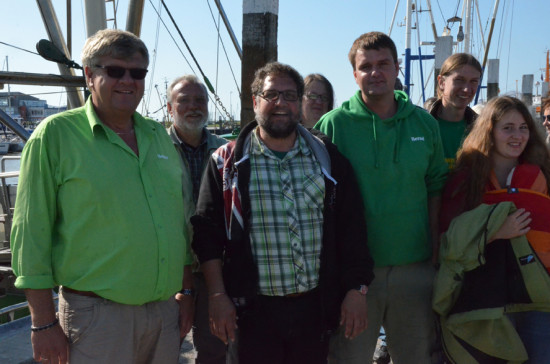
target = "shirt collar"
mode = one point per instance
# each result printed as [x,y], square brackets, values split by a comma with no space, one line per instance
[96,124]
[258,147]
[184,144]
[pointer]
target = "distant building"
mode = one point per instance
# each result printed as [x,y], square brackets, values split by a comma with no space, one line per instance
[26,109]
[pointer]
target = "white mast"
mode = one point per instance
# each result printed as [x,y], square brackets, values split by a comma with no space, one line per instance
[468,30]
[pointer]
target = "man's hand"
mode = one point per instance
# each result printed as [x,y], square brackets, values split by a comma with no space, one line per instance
[50,346]
[223,317]
[187,313]
[353,315]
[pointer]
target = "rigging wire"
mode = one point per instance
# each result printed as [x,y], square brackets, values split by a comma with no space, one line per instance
[179,48]
[209,85]
[21,49]
[146,104]
[217,53]
[225,51]
[456,13]
[442,16]
[171,36]
[510,42]
[206,80]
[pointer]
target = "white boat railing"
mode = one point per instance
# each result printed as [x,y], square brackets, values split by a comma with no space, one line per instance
[7,195]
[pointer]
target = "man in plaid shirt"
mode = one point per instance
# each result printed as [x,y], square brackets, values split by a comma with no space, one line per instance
[188,106]
[280,234]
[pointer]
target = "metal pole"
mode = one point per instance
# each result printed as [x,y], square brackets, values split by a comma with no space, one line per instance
[419,52]
[23,78]
[468,30]
[14,126]
[434,30]
[408,48]
[69,29]
[9,90]
[96,18]
[480,24]
[54,33]
[135,16]
[486,55]
[229,29]
[393,18]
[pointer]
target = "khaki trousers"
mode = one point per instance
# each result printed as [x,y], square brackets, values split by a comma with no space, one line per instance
[399,298]
[102,331]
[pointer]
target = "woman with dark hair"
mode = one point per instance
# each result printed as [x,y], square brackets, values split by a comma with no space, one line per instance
[457,84]
[318,99]
[495,255]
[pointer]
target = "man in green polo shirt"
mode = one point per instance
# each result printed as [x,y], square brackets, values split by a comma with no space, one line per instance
[100,213]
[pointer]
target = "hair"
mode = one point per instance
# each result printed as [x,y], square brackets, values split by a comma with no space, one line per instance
[115,43]
[545,104]
[475,156]
[456,61]
[276,69]
[429,103]
[372,40]
[192,79]
[319,77]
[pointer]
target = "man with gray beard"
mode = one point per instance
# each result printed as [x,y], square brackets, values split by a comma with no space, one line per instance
[280,235]
[188,106]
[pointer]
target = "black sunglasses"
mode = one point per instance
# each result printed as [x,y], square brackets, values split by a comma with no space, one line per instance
[546,117]
[119,72]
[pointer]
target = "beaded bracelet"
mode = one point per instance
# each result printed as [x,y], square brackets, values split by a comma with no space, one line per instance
[45,327]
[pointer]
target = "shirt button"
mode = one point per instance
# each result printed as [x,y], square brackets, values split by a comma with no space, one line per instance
[162,260]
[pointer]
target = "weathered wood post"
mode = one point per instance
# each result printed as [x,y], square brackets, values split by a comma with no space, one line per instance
[260,19]
[492,78]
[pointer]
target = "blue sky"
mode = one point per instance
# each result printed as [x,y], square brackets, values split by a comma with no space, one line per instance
[313,36]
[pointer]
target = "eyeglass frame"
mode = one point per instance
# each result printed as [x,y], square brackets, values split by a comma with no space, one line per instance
[116,69]
[323,98]
[279,93]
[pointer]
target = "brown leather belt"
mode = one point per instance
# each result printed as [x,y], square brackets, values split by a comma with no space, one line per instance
[81,293]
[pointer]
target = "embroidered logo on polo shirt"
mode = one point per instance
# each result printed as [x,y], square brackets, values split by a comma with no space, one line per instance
[160,156]
[417,139]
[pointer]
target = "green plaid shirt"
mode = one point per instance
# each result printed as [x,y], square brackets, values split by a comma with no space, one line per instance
[286,198]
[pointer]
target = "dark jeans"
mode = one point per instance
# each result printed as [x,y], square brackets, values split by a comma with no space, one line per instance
[283,330]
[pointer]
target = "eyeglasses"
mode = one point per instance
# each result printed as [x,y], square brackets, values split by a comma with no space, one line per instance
[546,117]
[315,97]
[273,95]
[119,72]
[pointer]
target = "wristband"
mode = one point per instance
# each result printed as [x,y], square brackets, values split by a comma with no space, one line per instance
[45,327]
[216,294]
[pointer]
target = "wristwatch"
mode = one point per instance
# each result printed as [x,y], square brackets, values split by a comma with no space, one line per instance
[187,292]
[362,289]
